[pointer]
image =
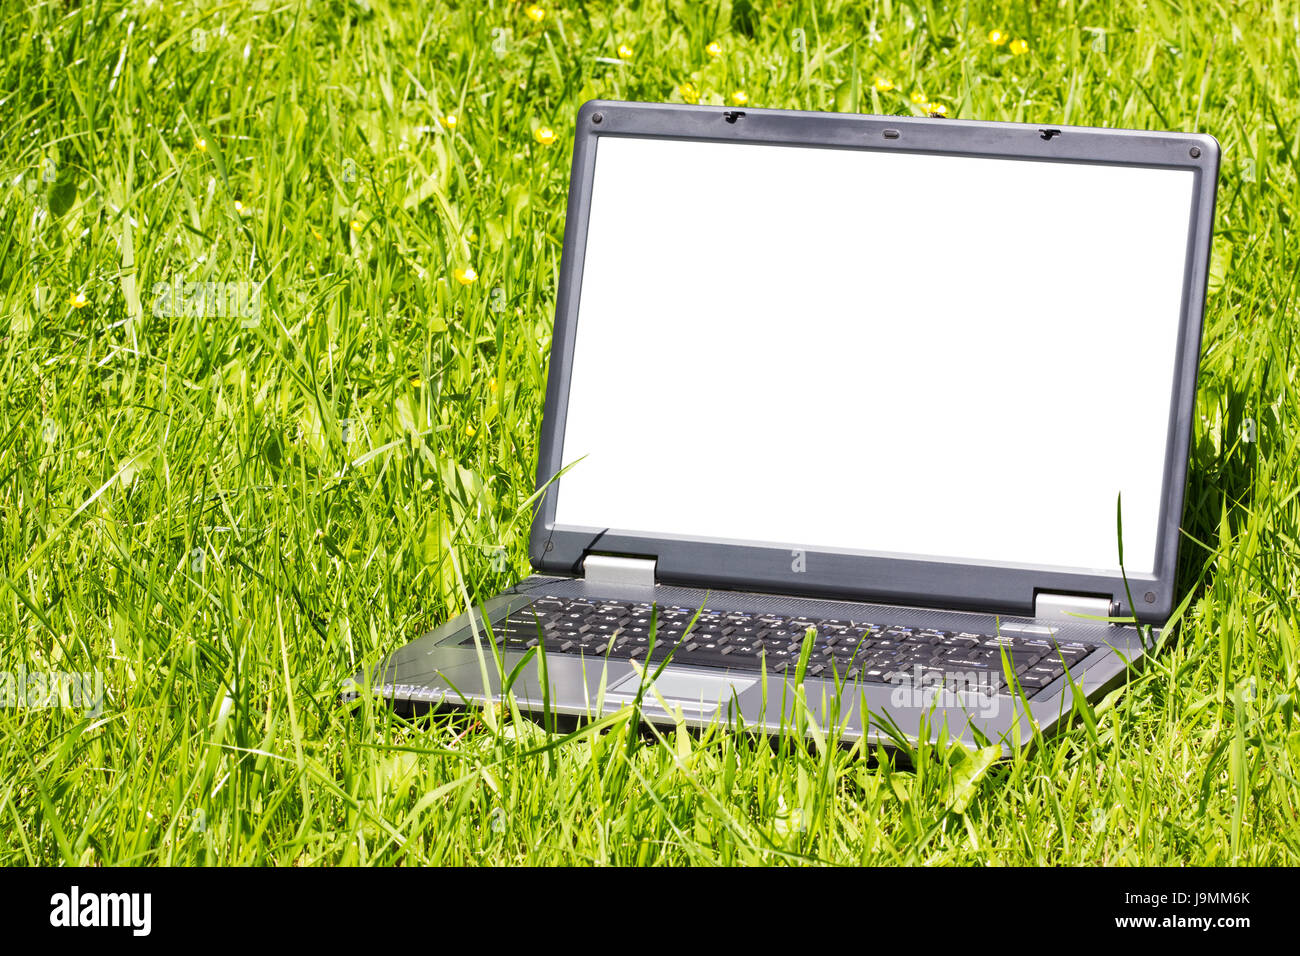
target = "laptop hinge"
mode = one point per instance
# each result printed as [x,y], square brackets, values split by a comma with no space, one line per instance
[615,570]
[1059,606]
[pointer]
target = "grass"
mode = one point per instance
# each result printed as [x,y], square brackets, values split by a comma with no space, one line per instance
[227,518]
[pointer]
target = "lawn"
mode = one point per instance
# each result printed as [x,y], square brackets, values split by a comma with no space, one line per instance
[226,509]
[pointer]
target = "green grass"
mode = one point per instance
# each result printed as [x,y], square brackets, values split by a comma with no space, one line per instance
[227,521]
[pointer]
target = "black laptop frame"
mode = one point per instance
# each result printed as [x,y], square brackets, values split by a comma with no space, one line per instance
[864,575]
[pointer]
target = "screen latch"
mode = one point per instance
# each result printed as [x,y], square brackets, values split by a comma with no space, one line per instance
[618,571]
[1059,606]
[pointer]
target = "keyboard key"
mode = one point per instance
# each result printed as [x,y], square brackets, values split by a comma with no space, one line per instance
[1032,682]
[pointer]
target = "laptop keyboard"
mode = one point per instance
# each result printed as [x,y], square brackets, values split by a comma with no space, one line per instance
[853,650]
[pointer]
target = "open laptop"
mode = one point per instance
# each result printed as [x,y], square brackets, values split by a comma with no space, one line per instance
[889,379]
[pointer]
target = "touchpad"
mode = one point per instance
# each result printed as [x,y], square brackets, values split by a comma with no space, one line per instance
[684,687]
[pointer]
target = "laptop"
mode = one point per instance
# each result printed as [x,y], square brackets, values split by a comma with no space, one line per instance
[893,409]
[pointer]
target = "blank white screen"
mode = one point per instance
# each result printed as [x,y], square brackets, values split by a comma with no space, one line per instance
[879,352]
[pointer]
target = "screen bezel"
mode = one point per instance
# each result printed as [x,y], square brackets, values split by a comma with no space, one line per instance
[865,575]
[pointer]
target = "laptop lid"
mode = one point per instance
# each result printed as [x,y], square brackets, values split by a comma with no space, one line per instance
[882,358]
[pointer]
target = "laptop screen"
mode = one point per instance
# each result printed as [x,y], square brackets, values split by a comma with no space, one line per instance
[879,352]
